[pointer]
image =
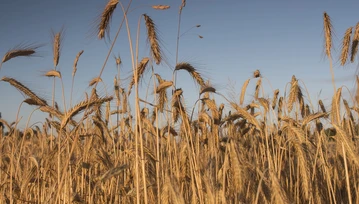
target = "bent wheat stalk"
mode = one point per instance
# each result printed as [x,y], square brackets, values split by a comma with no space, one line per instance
[328,43]
[19,86]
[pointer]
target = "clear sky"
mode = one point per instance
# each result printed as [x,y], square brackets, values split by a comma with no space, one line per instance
[281,38]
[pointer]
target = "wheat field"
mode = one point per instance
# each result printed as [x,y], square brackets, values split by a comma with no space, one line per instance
[284,148]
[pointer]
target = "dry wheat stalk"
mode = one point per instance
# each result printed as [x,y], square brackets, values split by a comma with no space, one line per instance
[265,103]
[53,73]
[161,7]
[176,104]
[25,90]
[336,107]
[328,34]
[117,112]
[152,37]
[52,111]
[82,106]
[345,46]
[107,113]
[257,74]
[162,94]
[112,172]
[118,60]
[347,109]
[117,91]
[354,47]
[302,107]
[235,168]
[246,115]
[293,93]
[258,86]
[104,25]
[94,81]
[75,62]
[312,117]
[31,101]
[211,104]
[163,86]
[243,92]
[56,46]
[182,5]
[275,97]
[307,110]
[207,89]
[178,110]
[159,78]
[140,70]
[144,113]
[342,138]
[20,51]
[192,71]
[280,106]
[296,139]
[124,99]
[322,106]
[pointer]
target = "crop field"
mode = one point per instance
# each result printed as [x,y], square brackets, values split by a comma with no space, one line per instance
[137,144]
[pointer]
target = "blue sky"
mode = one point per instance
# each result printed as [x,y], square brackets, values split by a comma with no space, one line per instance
[280,38]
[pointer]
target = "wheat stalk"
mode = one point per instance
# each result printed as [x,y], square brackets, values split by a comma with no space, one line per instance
[354,47]
[345,46]
[243,92]
[258,86]
[152,37]
[94,81]
[17,53]
[336,107]
[163,86]
[82,106]
[328,34]
[20,51]
[75,62]
[161,7]
[246,115]
[19,86]
[31,101]
[104,25]
[322,106]
[56,46]
[192,71]
[328,44]
[53,73]
[257,74]
[140,70]
[275,98]
[293,93]
[207,89]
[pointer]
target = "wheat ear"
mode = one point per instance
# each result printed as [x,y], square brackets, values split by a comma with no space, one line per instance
[345,46]
[354,48]
[53,73]
[19,86]
[56,46]
[152,37]
[243,92]
[293,93]
[140,70]
[161,7]
[106,16]
[192,71]
[328,34]
[82,106]
[20,51]
[75,62]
